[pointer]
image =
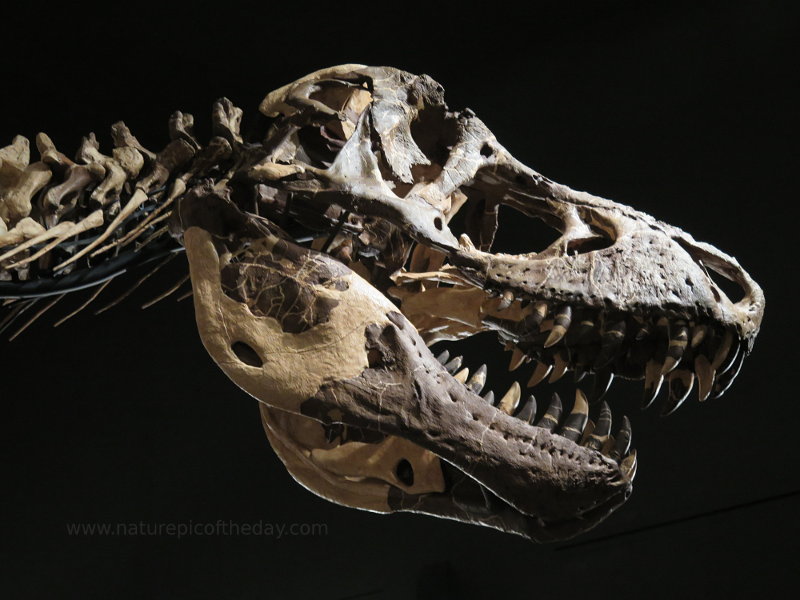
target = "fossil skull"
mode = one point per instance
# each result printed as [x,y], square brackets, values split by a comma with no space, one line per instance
[324,266]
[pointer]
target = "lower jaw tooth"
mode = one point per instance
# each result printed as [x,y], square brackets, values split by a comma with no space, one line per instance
[461,376]
[508,404]
[602,430]
[576,420]
[628,466]
[552,415]
[528,411]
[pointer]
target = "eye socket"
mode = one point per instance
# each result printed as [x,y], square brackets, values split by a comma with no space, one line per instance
[405,472]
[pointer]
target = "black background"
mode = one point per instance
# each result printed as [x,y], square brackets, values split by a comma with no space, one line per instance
[685,111]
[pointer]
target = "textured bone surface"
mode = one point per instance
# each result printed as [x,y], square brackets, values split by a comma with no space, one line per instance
[328,256]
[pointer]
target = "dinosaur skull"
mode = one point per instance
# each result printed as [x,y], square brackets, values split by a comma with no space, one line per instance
[324,265]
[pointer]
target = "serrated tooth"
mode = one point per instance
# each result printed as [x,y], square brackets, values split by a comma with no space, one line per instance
[705,376]
[478,380]
[628,466]
[506,298]
[725,380]
[508,404]
[622,442]
[677,346]
[699,333]
[561,362]
[722,351]
[517,358]
[489,397]
[602,381]
[454,365]
[528,411]
[602,430]
[552,415]
[443,357]
[462,375]
[680,384]
[561,322]
[610,341]
[539,373]
[576,420]
[652,382]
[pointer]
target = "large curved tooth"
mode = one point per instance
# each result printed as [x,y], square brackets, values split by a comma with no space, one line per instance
[628,466]
[705,376]
[677,346]
[610,343]
[584,329]
[580,372]
[588,430]
[552,415]
[489,397]
[462,375]
[723,349]
[732,358]
[560,365]
[443,357]
[528,411]
[506,298]
[454,365]
[508,404]
[602,381]
[699,333]
[652,382]
[680,384]
[539,373]
[622,441]
[601,430]
[529,325]
[576,420]
[478,380]
[517,358]
[725,380]
[561,321]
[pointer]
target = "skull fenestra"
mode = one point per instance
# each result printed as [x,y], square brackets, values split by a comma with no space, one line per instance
[324,265]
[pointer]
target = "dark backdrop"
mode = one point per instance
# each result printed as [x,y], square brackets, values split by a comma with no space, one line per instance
[686,111]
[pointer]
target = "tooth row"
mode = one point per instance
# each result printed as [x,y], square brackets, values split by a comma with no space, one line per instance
[557,341]
[576,427]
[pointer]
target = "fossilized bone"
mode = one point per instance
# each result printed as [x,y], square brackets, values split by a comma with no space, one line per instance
[323,267]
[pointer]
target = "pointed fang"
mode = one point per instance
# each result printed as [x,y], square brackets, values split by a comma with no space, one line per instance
[509,402]
[576,420]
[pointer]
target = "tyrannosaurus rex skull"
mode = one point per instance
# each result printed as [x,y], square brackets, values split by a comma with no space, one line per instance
[332,337]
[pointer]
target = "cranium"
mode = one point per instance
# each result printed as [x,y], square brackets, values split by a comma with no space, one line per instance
[371,167]
[325,263]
